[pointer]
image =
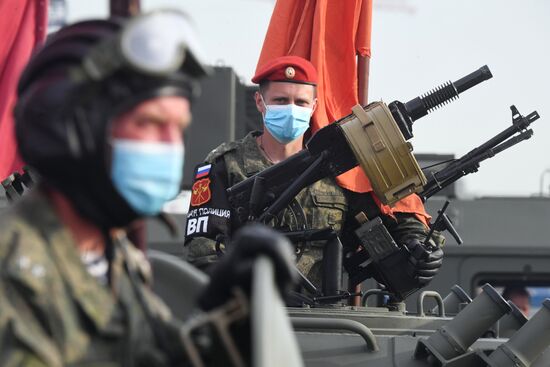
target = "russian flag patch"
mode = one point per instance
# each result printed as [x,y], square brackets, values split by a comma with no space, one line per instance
[203,171]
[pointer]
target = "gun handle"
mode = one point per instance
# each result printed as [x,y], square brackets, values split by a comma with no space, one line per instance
[451,229]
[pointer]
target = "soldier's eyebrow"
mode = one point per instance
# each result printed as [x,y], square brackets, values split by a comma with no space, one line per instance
[279,97]
[149,116]
[278,94]
[160,118]
[304,100]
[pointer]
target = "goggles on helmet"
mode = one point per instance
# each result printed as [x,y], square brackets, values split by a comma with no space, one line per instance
[156,44]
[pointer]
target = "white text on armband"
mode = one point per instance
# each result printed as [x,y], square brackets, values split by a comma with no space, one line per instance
[197,225]
[223,213]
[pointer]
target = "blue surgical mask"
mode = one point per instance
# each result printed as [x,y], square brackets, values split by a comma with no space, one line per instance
[286,122]
[146,174]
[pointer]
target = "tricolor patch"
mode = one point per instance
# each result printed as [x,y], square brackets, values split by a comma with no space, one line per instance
[203,171]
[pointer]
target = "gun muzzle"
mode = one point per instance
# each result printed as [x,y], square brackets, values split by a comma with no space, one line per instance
[473,79]
[406,113]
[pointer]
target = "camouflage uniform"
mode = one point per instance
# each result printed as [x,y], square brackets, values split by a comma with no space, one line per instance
[53,312]
[325,204]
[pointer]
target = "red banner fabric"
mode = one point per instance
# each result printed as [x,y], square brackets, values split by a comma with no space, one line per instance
[23,25]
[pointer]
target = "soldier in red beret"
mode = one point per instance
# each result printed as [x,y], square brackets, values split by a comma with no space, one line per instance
[286,99]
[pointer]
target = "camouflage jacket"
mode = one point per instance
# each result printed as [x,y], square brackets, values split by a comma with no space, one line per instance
[53,312]
[324,204]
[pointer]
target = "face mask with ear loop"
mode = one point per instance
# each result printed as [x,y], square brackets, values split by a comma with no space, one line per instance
[147,174]
[286,122]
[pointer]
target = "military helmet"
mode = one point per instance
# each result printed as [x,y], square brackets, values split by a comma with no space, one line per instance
[84,76]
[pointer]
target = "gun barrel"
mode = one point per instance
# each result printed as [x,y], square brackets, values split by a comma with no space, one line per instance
[473,79]
[420,106]
[519,124]
[469,163]
[406,113]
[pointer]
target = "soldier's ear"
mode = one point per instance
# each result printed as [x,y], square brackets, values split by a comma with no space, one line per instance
[314,106]
[260,105]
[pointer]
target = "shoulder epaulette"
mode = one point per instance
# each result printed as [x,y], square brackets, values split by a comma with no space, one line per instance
[221,150]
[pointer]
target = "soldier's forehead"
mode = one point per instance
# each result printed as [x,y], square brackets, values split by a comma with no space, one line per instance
[285,87]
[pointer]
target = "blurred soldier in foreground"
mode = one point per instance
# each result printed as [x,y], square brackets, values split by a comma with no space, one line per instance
[101,113]
[287,99]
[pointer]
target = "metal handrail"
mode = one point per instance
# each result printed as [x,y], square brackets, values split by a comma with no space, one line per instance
[337,324]
[438,299]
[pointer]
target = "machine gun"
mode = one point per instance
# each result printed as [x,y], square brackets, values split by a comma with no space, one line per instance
[380,251]
[373,137]
[469,163]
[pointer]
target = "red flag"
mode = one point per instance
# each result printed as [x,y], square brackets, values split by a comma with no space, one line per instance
[331,33]
[23,24]
[325,32]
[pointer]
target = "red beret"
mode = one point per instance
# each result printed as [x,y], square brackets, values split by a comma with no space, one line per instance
[293,69]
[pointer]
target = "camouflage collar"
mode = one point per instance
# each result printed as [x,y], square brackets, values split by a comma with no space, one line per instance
[94,299]
[253,158]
